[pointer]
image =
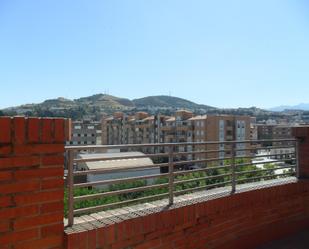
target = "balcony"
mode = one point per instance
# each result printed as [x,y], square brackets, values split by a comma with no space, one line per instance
[210,202]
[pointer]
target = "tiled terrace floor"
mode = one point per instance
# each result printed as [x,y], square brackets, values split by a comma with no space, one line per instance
[296,241]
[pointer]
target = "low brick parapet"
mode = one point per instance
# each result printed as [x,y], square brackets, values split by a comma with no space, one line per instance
[31,182]
[256,213]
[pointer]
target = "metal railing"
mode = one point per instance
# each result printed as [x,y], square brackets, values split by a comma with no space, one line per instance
[182,168]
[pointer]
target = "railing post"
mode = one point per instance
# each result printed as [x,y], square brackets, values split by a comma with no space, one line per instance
[70,189]
[233,168]
[171,175]
[297,157]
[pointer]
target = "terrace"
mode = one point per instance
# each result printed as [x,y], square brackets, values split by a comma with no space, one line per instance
[220,200]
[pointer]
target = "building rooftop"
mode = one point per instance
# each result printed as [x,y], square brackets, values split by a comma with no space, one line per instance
[118,160]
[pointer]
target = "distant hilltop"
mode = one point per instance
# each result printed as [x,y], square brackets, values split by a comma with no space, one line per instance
[302,106]
[95,106]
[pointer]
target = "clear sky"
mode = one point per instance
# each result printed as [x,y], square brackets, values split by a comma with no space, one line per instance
[222,53]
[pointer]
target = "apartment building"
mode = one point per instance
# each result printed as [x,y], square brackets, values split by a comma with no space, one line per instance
[183,127]
[220,128]
[274,131]
[85,132]
[140,128]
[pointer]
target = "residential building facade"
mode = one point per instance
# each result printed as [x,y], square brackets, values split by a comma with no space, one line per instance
[86,132]
[183,127]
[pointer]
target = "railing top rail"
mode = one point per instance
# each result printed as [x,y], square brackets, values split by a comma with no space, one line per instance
[119,146]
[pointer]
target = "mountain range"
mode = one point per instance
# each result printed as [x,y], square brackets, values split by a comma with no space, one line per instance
[103,104]
[302,106]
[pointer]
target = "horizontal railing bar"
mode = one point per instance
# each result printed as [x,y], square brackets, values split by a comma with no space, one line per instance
[258,156]
[89,147]
[259,177]
[200,178]
[118,192]
[275,161]
[120,180]
[94,159]
[266,148]
[179,192]
[226,158]
[185,172]
[201,160]
[118,169]
[102,207]
[199,152]
[263,170]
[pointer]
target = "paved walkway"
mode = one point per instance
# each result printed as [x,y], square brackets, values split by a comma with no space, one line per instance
[297,241]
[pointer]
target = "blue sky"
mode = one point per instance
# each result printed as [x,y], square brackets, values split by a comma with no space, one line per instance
[222,53]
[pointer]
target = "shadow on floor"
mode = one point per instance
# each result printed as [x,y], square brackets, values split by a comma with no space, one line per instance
[297,241]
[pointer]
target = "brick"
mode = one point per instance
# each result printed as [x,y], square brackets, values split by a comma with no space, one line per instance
[59,135]
[19,130]
[110,234]
[149,244]
[47,130]
[5,176]
[16,212]
[52,160]
[5,149]
[38,149]
[45,243]
[92,239]
[68,129]
[7,238]
[16,162]
[54,183]
[39,173]
[51,230]
[42,197]
[4,226]
[5,201]
[52,207]
[20,187]
[5,130]
[72,241]
[24,223]
[34,131]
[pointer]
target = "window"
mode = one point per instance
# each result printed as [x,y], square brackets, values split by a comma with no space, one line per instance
[77,127]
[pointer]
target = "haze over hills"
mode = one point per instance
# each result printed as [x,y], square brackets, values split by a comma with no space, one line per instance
[302,106]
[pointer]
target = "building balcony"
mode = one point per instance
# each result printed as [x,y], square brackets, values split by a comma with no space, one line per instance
[182,128]
[239,208]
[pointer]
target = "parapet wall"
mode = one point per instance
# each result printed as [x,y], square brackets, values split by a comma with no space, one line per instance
[32,191]
[242,220]
[31,182]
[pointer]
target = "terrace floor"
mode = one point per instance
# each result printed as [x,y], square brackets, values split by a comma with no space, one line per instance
[296,241]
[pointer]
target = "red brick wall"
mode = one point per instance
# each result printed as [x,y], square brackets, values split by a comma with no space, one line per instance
[31,182]
[239,221]
[302,134]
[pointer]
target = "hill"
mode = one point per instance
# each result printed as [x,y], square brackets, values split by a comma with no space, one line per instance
[95,106]
[164,101]
[302,106]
